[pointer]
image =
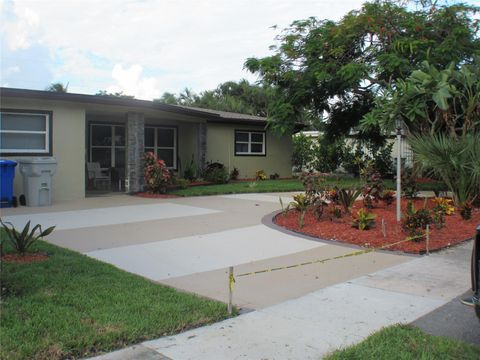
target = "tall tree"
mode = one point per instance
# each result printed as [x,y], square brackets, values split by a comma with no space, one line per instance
[57,87]
[432,101]
[241,97]
[335,70]
[118,94]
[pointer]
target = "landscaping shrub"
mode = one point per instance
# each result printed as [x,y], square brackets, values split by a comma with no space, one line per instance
[234,174]
[260,175]
[318,207]
[387,196]
[373,187]
[156,173]
[409,183]
[303,152]
[443,205]
[300,202]
[285,209]
[332,196]
[363,220]
[466,210]
[328,155]
[274,176]
[382,160]
[336,212]
[357,157]
[455,160]
[312,183]
[216,173]
[190,172]
[441,208]
[416,221]
[353,159]
[438,218]
[22,241]
[347,197]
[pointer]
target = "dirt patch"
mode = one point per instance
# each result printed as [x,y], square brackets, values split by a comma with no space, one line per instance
[25,258]
[456,230]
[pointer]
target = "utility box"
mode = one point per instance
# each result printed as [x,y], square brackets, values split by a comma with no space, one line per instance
[37,179]
[7,174]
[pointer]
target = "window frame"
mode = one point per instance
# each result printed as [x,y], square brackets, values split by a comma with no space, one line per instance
[250,142]
[155,147]
[48,133]
[112,146]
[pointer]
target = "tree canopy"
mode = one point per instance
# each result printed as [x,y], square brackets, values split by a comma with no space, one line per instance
[322,69]
[432,101]
[118,94]
[241,97]
[57,87]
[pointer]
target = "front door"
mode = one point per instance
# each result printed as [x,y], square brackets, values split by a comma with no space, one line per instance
[107,147]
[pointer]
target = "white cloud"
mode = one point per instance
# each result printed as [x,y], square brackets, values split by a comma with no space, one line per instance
[175,44]
[11,70]
[130,82]
[21,31]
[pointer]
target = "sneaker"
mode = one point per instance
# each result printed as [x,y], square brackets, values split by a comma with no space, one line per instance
[473,301]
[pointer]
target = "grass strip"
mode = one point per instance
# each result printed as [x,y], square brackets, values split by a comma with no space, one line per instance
[71,306]
[404,342]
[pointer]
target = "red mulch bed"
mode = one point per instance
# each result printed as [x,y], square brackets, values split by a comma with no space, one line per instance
[155,196]
[24,259]
[456,230]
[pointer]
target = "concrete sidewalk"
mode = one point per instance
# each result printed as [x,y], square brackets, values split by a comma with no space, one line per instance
[318,323]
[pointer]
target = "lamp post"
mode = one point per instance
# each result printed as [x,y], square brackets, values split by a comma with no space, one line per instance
[399,168]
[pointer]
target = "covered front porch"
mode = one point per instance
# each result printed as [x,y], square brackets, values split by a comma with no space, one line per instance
[116,142]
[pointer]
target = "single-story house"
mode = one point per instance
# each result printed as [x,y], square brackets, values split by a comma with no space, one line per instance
[115,132]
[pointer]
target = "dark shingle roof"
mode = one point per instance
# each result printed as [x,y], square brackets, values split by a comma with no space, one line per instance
[209,115]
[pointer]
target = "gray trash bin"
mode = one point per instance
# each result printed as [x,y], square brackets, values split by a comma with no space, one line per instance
[37,179]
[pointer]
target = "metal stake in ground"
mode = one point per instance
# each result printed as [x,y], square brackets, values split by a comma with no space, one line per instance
[399,168]
[231,282]
[427,242]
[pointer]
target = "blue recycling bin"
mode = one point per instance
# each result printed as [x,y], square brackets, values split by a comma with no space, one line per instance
[7,174]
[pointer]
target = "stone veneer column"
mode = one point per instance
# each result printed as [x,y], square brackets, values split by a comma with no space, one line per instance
[202,145]
[134,152]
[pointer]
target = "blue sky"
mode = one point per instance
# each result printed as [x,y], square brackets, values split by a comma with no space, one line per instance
[143,47]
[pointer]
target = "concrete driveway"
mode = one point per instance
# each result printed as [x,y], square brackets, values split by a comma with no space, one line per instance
[188,243]
[303,312]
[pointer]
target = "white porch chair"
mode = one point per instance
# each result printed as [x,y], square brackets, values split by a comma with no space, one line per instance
[97,175]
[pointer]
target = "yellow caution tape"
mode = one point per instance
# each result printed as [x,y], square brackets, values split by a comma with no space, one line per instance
[321,261]
[231,281]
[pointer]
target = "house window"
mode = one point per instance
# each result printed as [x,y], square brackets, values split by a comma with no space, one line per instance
[250,142]
[107,145]
[163,142]
[25,132]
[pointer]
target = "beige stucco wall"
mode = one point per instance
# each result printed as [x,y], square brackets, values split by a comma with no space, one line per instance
[187,145]
[220,148]
[68,146]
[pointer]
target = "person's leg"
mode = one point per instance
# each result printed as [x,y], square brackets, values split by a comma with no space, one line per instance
[475,267]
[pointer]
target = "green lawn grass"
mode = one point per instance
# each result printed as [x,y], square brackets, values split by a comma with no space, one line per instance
[277,186]
[284,185]
[239,187]
[407,343]
[72,306]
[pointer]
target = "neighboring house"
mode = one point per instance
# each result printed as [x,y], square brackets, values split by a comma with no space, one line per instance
[116,132]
